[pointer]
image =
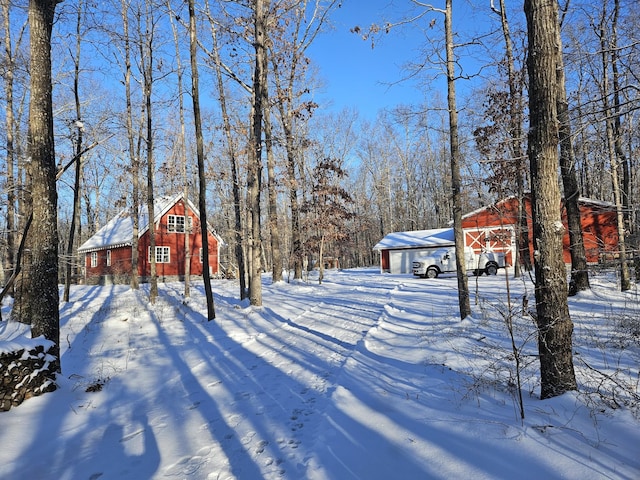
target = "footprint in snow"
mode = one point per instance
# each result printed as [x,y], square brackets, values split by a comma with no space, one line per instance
[247,438]
[261,446]
[187,465]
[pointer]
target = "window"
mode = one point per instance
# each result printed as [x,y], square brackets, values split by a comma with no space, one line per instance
[108,258]
[201,250]
[94,259]
[176,223]
[163,254]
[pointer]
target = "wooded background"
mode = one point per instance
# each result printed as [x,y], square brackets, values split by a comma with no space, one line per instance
[122,111]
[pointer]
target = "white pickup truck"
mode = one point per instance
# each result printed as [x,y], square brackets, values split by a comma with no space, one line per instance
[443,260]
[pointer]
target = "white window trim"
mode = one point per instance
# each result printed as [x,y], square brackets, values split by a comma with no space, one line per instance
[94,259]
[174,226]
[163,254]
[108,259]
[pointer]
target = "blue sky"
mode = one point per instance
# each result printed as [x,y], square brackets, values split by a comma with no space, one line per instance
[369,79]
[354,73]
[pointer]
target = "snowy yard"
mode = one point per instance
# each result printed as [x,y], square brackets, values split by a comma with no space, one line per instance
[366,376]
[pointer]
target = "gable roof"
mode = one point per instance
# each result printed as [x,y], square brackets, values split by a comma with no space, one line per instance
[582,201]
[118,232]
[438,237]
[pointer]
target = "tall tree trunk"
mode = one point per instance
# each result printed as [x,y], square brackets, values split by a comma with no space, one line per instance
[254,180]
[579,272]
[134,154]
[182,155]
[21,306]
[285,107]
[296,227]
[202,194]
[622,164]
[272,197]
[617,118]
[9,260]
[625,274]
[237,207]
[42,289]
[456,182]
[147,55]
[79,129]
[552,312]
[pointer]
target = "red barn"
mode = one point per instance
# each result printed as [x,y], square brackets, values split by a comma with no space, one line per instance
[494,228]
[108,252]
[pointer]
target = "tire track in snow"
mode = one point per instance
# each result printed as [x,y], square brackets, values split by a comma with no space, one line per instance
[304,352]
[330,332]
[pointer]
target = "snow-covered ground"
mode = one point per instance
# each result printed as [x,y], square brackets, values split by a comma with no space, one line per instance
[367,376]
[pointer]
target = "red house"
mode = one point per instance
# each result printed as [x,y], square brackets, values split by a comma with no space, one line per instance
[108,252]
[494,228]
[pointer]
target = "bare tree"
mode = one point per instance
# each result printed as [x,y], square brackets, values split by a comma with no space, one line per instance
[456,183]
[454,151]
[272,196]
[133,149]
[617,160]
[579,272]
[78,128]
[516,136]
[10,125]
[202,203]
[233,157]
[287,52]
[181,152]
[552,312]
[254,176]
[42,288]
[147,51]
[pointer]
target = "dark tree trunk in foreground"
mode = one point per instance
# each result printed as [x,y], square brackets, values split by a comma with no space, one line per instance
[552,312]
[254,176]
[42,290]
[202,204]
[147,77]
[456,182]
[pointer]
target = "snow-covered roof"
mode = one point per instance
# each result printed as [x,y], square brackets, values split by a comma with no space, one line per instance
[583,200]
[118,232]
[417,238]
[598,203]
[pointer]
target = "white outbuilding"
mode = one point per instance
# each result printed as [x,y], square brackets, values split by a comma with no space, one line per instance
[399,249]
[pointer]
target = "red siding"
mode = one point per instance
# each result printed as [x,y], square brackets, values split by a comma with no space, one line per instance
[121,257]
[599,226]
[175,242]
[120,262]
